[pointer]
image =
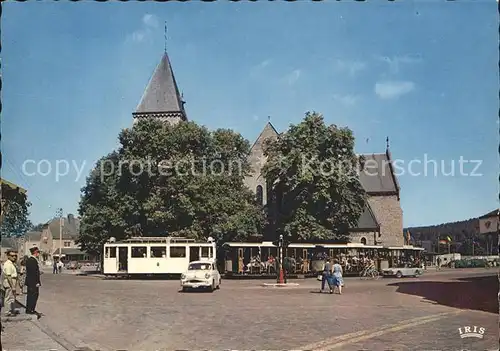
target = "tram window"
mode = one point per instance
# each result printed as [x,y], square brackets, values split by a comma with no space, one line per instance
[158,251]
[138,251]
[111,252]
[205,252]
[177,251]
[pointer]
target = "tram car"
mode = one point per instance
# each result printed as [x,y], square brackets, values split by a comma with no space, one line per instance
[154,255]
[308,259]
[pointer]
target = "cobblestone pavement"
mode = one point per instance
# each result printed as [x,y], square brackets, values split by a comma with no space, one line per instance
[406,314]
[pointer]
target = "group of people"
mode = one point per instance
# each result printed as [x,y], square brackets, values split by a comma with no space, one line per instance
[12,278]
[332,274]
[57,267]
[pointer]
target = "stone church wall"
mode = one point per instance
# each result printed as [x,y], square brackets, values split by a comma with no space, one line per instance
[369,236]
[387,210]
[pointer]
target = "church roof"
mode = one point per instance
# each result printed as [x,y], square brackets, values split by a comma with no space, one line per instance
[378,178]
[268,132]
[367,220]
[162,94]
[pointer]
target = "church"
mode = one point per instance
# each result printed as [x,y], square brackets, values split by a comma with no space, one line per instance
[381,222]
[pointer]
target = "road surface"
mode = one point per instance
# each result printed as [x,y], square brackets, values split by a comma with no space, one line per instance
[399,314]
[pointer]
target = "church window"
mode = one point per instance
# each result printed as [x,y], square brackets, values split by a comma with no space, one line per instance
[260,195]
[363,241]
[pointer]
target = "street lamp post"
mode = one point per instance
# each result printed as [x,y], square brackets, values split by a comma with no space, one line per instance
[281,277]
[60,215]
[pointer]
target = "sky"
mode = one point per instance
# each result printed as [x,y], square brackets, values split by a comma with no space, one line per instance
[425,75]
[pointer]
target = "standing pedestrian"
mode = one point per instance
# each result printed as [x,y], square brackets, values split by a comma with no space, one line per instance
[32,280]
[338,280]
[60,266]
[327,272]
[438,266]
[22,274]
[9,283]
[54,267]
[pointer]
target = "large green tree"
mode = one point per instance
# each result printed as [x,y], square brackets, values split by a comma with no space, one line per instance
[176,180]
[312,171]
[15,211]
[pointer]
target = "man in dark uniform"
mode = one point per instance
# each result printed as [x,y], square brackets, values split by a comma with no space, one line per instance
[32,280]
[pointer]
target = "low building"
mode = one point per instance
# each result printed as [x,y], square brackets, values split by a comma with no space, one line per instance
[488,223]
[488,229]
[58,238]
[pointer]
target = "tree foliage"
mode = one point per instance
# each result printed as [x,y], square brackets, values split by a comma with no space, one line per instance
[312,171]
[191,185]
[15,212]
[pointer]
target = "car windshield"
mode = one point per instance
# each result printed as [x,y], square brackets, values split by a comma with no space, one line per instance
[199,266]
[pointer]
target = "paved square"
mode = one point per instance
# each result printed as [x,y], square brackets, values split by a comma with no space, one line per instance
[406,314]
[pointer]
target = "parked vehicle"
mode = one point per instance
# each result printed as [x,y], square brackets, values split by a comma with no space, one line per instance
[403,272]
[154,255]
[201,274]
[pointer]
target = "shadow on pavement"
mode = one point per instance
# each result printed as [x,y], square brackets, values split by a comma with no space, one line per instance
[474,293]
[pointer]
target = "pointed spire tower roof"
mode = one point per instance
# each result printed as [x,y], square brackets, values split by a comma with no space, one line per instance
[162,99]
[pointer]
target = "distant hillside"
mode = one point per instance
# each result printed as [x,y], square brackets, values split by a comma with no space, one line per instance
[459,231]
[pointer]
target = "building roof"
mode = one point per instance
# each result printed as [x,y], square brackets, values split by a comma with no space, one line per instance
[367,221]
[69,251]
[12,185]
[377,177]
[161,94]
[70,229]
[268,132]
[9,243]
[33,236]
[493,213]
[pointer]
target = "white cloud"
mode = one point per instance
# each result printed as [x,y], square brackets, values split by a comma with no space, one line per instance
[396,61]
[352,67]
[149,25]
[393,89]
[138,36]
[256,70]
[347,99]
[293,76]
[150,21]
[264,63]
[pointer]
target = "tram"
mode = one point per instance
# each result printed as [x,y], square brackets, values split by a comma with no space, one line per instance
[154,255]
[307,259]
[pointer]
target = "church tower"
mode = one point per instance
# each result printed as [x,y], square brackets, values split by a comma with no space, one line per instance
[161,99]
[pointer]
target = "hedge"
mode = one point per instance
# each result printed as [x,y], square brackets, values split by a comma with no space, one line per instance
[470,263]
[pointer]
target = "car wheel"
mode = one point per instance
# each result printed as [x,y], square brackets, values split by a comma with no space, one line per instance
[212,288]
[218,285]
[399,274]
[183,289]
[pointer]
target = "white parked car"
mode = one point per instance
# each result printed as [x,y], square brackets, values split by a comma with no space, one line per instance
[403,272]
[201,274]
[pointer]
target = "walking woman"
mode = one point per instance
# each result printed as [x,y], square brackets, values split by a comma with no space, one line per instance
[338,280]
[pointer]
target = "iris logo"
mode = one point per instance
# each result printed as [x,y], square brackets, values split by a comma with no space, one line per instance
[471,332]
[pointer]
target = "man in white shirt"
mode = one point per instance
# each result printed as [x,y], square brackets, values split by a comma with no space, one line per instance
[9,282]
